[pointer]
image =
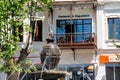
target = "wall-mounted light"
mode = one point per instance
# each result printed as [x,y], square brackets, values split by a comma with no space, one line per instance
[90,68]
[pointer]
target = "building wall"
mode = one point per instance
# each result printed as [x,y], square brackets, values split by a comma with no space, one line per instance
[79,57]
[103,12]
[82,56]
[105,47]
[76,12]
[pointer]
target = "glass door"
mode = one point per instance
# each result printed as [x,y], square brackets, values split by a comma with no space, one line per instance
[112,72]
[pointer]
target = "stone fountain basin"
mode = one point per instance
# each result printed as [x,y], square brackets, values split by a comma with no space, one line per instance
[50,74]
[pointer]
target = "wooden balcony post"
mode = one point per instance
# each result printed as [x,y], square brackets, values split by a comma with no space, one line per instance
[71,35]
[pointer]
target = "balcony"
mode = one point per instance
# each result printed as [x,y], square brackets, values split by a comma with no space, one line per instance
[78,40]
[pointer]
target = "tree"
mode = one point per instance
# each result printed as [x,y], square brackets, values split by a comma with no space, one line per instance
[12,14]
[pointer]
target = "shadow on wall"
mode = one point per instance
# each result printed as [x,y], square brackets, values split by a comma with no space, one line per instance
[103,77]
[3,76]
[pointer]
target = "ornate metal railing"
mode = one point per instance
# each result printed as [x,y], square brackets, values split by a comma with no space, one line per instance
[75,40]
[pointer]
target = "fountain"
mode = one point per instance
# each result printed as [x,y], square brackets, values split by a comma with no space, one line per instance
[50,56]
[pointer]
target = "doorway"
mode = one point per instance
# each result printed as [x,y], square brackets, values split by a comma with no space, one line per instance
[37,30]
[112,72]
[69,30]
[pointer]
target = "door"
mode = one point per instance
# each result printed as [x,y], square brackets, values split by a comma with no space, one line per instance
[112,72]
[69,30]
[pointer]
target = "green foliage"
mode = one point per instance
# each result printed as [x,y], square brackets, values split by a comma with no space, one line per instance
[12,14]
[117,46]
[27,65]
[46,4]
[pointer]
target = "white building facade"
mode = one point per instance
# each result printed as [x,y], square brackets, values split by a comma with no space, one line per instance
[108,24]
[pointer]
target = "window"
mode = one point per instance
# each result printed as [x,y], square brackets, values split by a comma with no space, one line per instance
[114,28]
[77,26]
[37,30]
[81,28]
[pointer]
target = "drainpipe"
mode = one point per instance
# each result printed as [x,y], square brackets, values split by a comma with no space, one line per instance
[74,57]
[71,22]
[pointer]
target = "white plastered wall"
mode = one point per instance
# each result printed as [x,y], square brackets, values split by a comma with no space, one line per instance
[81,56]
[104,12]
[100,27]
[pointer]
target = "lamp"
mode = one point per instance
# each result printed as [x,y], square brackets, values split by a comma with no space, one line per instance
[90,68]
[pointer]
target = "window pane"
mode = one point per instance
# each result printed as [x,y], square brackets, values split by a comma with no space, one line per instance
[87,31]
[117,30]
[79,29]
[69,22]
[74,22]
[60,26]
[110,23]
[87,28]
[87,21]
[114,28]
[78,37]
[79,21]
[61,22]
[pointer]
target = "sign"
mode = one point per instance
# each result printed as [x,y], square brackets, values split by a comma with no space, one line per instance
[103,59]
[109,58]
[114,58]
[73,16]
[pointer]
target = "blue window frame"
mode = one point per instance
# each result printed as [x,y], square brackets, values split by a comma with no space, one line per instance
[114,28]
[79,27]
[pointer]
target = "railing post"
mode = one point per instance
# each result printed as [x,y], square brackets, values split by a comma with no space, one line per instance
[71,35]
[83,37]
[94,38]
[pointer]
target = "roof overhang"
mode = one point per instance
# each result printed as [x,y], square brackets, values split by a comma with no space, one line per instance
[65,4]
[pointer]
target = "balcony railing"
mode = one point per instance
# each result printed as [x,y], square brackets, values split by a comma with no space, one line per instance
[76,40]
